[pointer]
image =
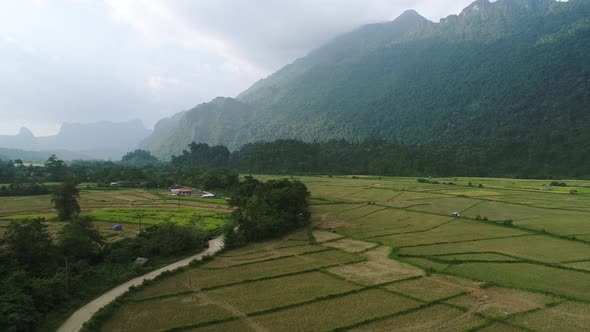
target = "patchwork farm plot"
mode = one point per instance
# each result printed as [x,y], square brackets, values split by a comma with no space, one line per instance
[386,254]
[130,207]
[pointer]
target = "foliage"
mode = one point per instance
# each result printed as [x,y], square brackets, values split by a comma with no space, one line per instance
[65,198]
[498,93]
[268,209]
[33,268]
[24,189]
[30,244]
[139,157]
[80,239]
[56,168]
[203,156]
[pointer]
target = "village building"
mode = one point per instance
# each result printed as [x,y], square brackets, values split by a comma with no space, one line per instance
[181,191]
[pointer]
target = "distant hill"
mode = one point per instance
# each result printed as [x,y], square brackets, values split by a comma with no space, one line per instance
[40,156]
[507,82]
[101,140]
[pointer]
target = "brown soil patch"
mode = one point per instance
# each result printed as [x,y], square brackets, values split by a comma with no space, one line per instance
[333,224]
[323,236]
[350,245]
[497,301]
[433,288]
[378,269]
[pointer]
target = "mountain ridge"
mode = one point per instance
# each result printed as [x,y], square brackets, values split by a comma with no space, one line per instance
[473,83]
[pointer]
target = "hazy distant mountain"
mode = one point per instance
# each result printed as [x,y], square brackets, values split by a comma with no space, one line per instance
[101,140]
[508,79]
[41,156]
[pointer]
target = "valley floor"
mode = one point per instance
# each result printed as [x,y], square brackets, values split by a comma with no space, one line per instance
[385,254]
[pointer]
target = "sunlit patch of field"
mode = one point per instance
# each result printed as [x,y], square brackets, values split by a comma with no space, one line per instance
[267,294]
[132,208]
[431,288]
[573,284]
[438,317]
[337,312]
[533,247]
[453,231]
[184,310]
[500,302]
[569,316]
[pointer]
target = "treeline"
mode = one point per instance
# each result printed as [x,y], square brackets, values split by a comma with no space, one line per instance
[377,157]
[17,179]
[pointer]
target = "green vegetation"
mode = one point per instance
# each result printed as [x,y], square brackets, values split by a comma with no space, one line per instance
[267,209]
[205,220]
[385,261]
[500,91]
[404,259]
[139,158]
[65,199]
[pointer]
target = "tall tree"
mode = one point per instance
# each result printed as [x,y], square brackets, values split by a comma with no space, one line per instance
[65,200]
[30,243]
[56,168]
[80,239]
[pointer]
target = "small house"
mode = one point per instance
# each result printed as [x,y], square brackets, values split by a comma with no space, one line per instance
[181,191]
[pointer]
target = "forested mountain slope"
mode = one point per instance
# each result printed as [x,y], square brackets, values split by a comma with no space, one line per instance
[506,82]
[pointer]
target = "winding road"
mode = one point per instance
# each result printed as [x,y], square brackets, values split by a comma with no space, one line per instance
[82,315]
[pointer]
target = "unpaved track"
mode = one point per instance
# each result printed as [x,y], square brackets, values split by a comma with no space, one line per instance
[82,315]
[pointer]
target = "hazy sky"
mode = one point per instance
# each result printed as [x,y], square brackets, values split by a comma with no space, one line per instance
[85,60]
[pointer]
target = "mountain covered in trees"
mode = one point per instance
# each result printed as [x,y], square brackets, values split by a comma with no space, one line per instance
[506,84]
[100,140]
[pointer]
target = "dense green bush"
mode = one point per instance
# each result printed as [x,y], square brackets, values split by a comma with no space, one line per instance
[267,209]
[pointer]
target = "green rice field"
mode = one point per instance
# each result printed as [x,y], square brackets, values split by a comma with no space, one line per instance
[386,254]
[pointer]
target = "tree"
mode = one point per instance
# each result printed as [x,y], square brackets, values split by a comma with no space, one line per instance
[31,245]
[80,239]
[139,157]
[65,199]
[56,168]
[269,209]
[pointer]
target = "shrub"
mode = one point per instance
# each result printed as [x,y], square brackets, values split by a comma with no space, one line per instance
[508,222]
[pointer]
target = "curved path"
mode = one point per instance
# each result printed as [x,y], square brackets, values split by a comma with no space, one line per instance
[82,315]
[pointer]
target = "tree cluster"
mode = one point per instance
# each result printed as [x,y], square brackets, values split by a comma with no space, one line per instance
[267,209]
[39,273]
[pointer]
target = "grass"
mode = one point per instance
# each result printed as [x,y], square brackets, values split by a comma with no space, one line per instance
[264,255]
[268,294]
[207,278]
[206,220]
[428,288]
[409,265]
[341,311]
[434,318]
[164,313]
[572,284]
[568,316]
[454,231]
[351,245]
[488,257]
[234,325]
[535,247]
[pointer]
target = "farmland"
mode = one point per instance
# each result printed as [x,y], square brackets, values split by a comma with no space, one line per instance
[132,208]
[385,252]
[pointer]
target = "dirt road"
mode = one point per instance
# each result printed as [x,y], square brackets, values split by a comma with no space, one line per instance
[82,315]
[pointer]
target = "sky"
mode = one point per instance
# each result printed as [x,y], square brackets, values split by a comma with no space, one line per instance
[82,61]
